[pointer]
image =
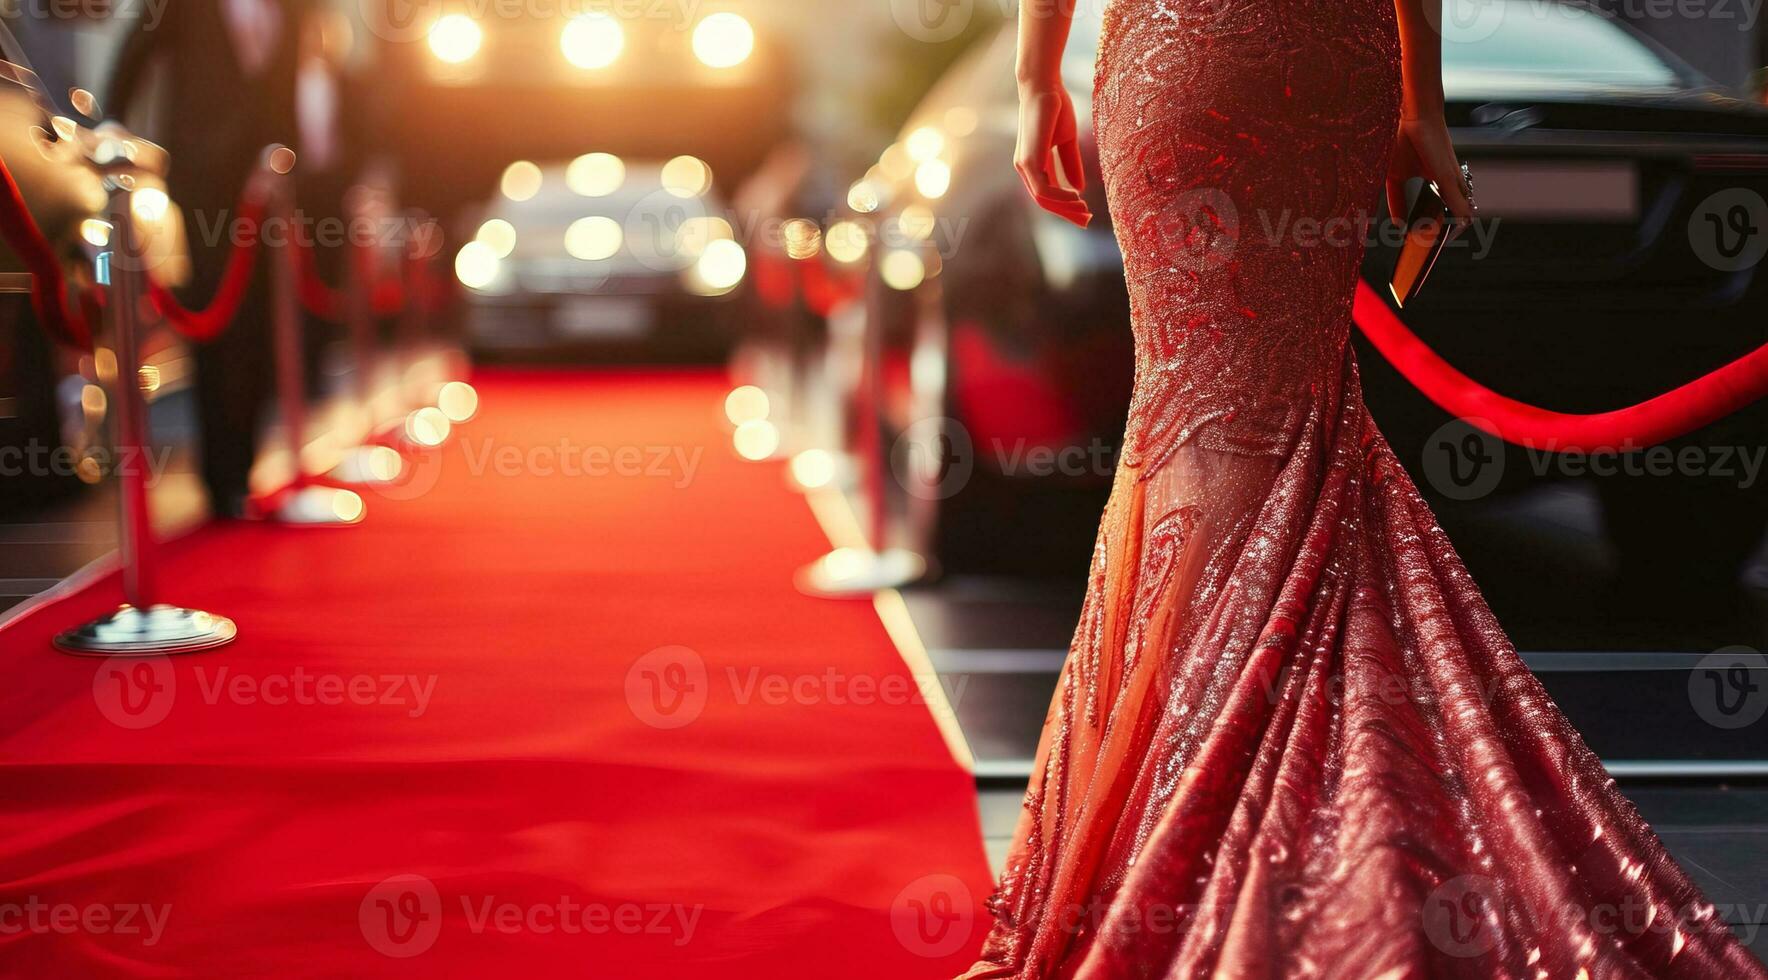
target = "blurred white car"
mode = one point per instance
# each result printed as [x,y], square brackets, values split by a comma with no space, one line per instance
[604,256]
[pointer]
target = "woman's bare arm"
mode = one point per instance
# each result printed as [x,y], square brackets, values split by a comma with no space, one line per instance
[1049,141]
[1423,148]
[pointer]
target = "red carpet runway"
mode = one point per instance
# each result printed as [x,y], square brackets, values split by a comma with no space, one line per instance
[553,710]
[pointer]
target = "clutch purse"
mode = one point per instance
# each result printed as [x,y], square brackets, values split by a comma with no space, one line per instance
[1428,229]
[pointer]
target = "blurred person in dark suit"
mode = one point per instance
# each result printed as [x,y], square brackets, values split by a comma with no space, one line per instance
[228,75]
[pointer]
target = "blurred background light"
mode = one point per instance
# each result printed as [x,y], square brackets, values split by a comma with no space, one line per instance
[499,236]
[803,238]
[846,241]
[521,180]
[723,40]
[813,468]
[933,178]
[863,197]
[756,440]
[458,400]
[925,143]
[902,269]
[595,174]
[456,38]
[745,403]
[721,266]
[150,204]
[476,265]
[594,238]
[686,176]
[96,232]
[592,40]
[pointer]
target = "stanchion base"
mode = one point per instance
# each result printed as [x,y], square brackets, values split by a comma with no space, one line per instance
[320,507]
[132,632]
[849,572]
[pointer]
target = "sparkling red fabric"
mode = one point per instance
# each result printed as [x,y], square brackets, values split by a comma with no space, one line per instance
[1290,739]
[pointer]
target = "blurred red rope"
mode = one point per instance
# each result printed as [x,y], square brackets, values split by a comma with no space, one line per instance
[208,322]
[48,283]
[386,297]
[1700,402]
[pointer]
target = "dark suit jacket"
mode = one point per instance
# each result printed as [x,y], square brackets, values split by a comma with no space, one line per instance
[216,119]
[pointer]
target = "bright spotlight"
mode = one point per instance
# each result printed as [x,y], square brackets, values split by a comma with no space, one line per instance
[96,232]
[595,174]
[475,265]
[594,238]
[455,38]
[592,40]
[723,40]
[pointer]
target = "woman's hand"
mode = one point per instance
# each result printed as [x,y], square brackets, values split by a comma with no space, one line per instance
[1422,149]
[1048,134]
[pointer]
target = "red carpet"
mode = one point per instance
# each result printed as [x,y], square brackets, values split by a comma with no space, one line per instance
[803,817]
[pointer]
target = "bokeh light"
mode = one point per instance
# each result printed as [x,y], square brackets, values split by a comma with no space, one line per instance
[813,468]
[902,269]
[499,236]
[595,174]
[933,178]
[458,400]
[521,180]
[756,440]
[594,238]
[745,403]
[803,239]
[150,204]
[721,266]
[723,40]
[456,38]
[592,40]
[925,143]
[686,176]
[476,265]
[846,241]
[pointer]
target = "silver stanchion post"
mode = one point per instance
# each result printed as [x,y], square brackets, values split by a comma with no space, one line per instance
[142,627]
[860,571]
[306,503]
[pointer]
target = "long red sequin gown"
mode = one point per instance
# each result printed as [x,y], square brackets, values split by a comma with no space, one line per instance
[1290,738]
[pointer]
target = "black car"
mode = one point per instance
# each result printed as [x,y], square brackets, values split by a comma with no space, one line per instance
[1605,167]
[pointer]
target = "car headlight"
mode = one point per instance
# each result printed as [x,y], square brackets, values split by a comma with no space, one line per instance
[723,40]
[456,38]
[719,268]
[592,41]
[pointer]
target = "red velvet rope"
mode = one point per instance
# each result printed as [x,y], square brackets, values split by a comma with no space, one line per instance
[1682,410]
[236,278]
[48,283]
[386,297]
